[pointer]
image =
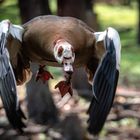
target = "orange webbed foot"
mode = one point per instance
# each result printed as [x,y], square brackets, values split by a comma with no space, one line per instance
[64,88]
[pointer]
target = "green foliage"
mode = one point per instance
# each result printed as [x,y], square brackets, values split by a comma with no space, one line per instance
[9,10]
[117,16]
[53,5]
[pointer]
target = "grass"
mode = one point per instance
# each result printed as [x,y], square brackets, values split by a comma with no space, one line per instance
[123,18]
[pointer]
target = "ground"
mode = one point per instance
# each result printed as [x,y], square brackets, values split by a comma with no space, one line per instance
[122,123]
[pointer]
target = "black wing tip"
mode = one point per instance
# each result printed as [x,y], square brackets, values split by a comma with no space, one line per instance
[19,126]
[16,120]
[94,132]
[95,125]
[20,129]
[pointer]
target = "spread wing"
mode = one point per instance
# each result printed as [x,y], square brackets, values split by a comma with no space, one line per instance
[8,90]
[105,80]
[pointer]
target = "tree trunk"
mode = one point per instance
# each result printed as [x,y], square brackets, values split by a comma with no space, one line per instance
[33,8]
[81,9]
[69,8]
[40,103]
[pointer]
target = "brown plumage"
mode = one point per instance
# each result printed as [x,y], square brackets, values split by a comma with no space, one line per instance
[39,38]
[42,32]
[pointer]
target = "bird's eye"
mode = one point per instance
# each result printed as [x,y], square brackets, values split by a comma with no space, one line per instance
[60,51]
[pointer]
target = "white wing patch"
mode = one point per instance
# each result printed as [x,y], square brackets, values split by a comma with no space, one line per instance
[113,35]
[8,28]
[16,31]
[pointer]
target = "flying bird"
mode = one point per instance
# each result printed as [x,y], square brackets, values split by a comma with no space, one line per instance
[64,42]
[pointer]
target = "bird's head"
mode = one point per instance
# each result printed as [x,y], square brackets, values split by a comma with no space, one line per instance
[64,54]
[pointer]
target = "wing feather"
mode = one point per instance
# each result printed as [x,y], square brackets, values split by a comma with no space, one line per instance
[105,83]
[8,89]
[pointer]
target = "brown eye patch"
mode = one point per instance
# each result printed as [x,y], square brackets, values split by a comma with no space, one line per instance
[60,50]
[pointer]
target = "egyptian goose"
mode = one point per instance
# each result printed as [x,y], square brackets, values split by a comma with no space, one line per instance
[60,42]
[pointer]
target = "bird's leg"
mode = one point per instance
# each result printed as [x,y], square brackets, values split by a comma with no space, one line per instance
[65,86]
[43,74]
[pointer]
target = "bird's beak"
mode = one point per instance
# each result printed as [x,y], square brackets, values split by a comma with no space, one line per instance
[68,68]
